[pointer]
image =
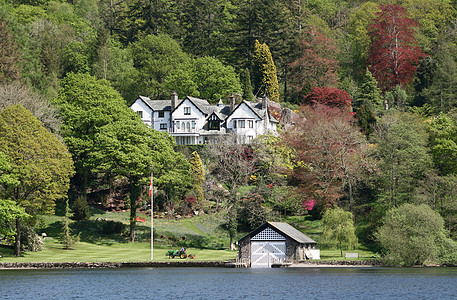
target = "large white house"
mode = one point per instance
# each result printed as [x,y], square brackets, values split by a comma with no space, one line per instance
[195,121]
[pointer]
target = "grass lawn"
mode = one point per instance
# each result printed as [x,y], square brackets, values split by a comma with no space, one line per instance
[202,235]
[114,252]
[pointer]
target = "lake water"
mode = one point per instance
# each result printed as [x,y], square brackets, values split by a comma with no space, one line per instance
[221,283]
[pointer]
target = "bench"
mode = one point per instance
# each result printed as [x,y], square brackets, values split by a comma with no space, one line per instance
[351,255]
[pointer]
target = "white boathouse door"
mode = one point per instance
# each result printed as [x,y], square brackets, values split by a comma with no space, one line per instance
[267,247]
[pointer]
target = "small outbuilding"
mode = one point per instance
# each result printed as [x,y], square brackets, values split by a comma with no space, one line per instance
[275,243]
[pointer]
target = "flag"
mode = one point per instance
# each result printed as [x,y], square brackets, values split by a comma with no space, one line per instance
[150,187]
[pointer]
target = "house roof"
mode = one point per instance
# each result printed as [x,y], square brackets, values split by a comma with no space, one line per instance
[256,108]
[200,104]
[285,229]
[157,104]
[222,111]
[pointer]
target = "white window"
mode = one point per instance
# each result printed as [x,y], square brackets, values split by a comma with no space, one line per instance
[193,124]
[161,114]
[163,126]
[242,124]
[177,124]
[251,123]
[188,126]
[187,110]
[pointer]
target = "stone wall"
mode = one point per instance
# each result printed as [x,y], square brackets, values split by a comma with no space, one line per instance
[90,265]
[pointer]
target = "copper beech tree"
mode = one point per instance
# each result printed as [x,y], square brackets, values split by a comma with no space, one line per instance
[329,154]
[394,53]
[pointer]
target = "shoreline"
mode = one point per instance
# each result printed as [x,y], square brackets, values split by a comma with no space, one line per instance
[173,264]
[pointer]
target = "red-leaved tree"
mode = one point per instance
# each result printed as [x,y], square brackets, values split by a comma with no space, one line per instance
[328,96]
[317,64]
[393,53]
[329,155]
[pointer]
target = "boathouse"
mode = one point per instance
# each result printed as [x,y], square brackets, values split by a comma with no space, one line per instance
[275,243]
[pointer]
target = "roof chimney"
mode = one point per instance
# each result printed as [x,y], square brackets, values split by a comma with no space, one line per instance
[265,102]
[232,102]
[174,101]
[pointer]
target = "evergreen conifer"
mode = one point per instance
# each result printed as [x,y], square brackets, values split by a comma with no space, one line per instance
[266,79]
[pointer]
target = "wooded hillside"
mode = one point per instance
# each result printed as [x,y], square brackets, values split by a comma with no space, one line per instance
[374,84]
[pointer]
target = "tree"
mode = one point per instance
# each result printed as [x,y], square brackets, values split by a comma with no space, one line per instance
[204,77]
[393,53]
[365,119]
[66,238]
[369,93]
[316,66]
[10,57]
[359,23]
[443,142]
[9,213]
[401,142]
[328,96]
[328,155]
[442,90]
[115,64]
[339,227]
[155,58]
[38,105]
[266,80]
[81,209]
[40,161]
[198,175]
[246,85]
[412,235]
[234,163]
[107,139]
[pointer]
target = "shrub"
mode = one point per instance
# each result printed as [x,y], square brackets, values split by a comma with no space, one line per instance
[81,210]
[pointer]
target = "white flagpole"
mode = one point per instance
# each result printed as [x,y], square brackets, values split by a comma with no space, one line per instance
[151,193]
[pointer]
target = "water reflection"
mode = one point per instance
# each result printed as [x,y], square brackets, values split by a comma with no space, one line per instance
[219,283]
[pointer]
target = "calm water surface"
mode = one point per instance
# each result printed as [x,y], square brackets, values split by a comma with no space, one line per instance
[220,283]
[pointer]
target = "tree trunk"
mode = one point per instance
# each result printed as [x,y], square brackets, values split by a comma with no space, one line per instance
[17,242]
[341,247]
[135,192]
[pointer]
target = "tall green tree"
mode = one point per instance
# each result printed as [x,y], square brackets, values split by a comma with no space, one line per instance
[443,142]
[155,58]
[338,228]
[442,92]
[198,175]
[265,75]
[68,240]
[10,56]
[369,93]
[401,147]
[39,161]
[246,85]
[204,77]
[106,138]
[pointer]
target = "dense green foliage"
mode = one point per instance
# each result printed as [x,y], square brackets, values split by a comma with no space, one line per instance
[87,60]
[40,164]
[405,231]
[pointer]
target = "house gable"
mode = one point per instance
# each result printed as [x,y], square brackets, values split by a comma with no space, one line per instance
[145,111]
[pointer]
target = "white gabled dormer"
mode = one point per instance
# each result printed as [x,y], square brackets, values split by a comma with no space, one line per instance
[244,122]
[155,113]
[142,108]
